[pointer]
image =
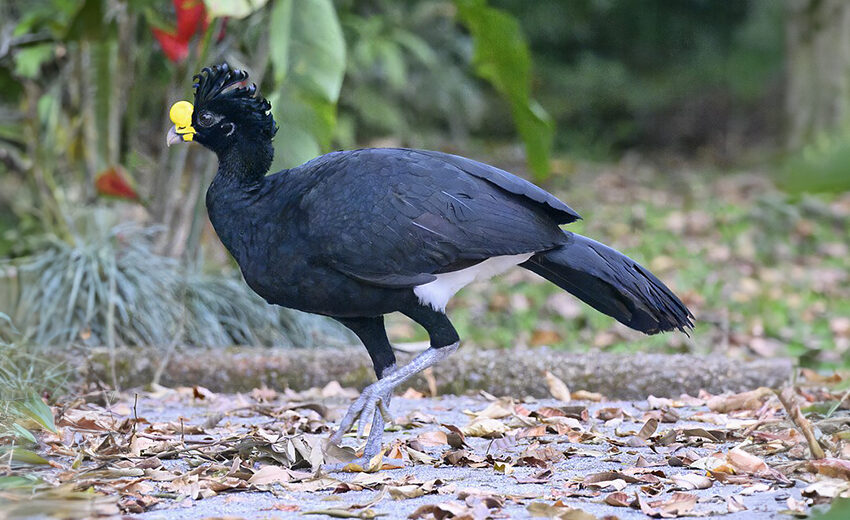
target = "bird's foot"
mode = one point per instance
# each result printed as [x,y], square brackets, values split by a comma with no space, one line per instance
[370,408]
[372,458]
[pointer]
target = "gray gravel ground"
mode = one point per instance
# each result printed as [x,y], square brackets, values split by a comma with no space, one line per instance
[449,410]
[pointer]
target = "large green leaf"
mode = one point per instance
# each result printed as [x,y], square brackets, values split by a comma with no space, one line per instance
[22,434]
[34,408]
[24,456]
[19,482]
[307,53]
[502,58]
[28,60]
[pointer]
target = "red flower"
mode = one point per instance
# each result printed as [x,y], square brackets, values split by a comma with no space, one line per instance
[191,19]
[113,183]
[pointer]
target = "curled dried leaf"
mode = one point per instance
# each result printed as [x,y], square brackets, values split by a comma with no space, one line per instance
[557,387]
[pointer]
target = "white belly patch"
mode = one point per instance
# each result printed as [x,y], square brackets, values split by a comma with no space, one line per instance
[438,292]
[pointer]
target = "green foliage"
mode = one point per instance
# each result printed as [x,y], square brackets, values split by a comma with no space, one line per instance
[24,376]
[621,74]
[23,456]
[821,166]
[86,110]
[18,482]
[110,285]
[89,107]
[502,58]
[307,53]
[28,61]
[34,409]
[105,275]
[409,75]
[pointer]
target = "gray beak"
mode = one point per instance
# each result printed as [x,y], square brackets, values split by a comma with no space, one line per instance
[173,137]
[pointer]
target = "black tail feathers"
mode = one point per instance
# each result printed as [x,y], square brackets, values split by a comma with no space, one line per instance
[612,283]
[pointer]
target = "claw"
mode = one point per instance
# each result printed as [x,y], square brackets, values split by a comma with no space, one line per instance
[366,417]
[385,412]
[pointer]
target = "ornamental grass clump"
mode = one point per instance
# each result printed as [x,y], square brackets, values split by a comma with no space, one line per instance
[108,286]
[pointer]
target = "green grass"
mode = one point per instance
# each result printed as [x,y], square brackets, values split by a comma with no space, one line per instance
[764,274]
[25,377]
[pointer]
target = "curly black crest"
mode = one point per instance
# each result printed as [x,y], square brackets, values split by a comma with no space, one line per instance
[215,85]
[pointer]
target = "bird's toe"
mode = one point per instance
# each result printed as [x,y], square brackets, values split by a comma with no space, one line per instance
[373,401]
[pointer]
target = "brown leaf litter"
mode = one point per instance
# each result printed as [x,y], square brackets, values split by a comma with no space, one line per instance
[659,456]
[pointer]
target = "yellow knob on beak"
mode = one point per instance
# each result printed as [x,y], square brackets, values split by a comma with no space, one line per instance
[181,116]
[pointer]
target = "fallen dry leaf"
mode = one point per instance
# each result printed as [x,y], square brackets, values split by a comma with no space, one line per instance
[412,393]
[734,504]
[648,429]
[432,438]
[751,400]
[267,438]
[691,481]
[828,488]
[618,499]
[796,506]
[746,462]
[414,490]
[455,436]
[374,464]
[538,478]
[558,511]
[836,468]
[485,428]
[367,514]
[679,504]
[584,395]
[557,388]
[498,409]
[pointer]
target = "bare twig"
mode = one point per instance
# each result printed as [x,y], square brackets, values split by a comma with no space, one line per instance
[786,397]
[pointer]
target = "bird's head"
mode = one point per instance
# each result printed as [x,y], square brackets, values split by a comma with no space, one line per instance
[226,113]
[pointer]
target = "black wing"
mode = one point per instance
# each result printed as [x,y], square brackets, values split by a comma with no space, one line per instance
[396,217]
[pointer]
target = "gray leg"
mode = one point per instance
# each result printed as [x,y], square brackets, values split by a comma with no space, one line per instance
[371,406]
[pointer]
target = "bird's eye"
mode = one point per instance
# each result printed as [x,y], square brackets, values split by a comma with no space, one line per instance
[205,119]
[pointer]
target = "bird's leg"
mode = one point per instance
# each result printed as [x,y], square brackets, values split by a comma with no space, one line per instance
[371,406]
[372,333]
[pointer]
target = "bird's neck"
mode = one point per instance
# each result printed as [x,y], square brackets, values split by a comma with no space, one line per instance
[246,162]
[234,193]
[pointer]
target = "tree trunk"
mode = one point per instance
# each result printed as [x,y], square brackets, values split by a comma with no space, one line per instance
[818,84]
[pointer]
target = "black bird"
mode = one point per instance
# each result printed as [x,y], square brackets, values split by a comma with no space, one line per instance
[358,234]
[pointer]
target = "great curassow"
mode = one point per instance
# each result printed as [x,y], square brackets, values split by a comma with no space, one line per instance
[358,234]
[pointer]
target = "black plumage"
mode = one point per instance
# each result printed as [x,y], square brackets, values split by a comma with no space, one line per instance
[353,234]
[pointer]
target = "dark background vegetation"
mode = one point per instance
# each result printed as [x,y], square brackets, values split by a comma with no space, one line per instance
[707,138]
